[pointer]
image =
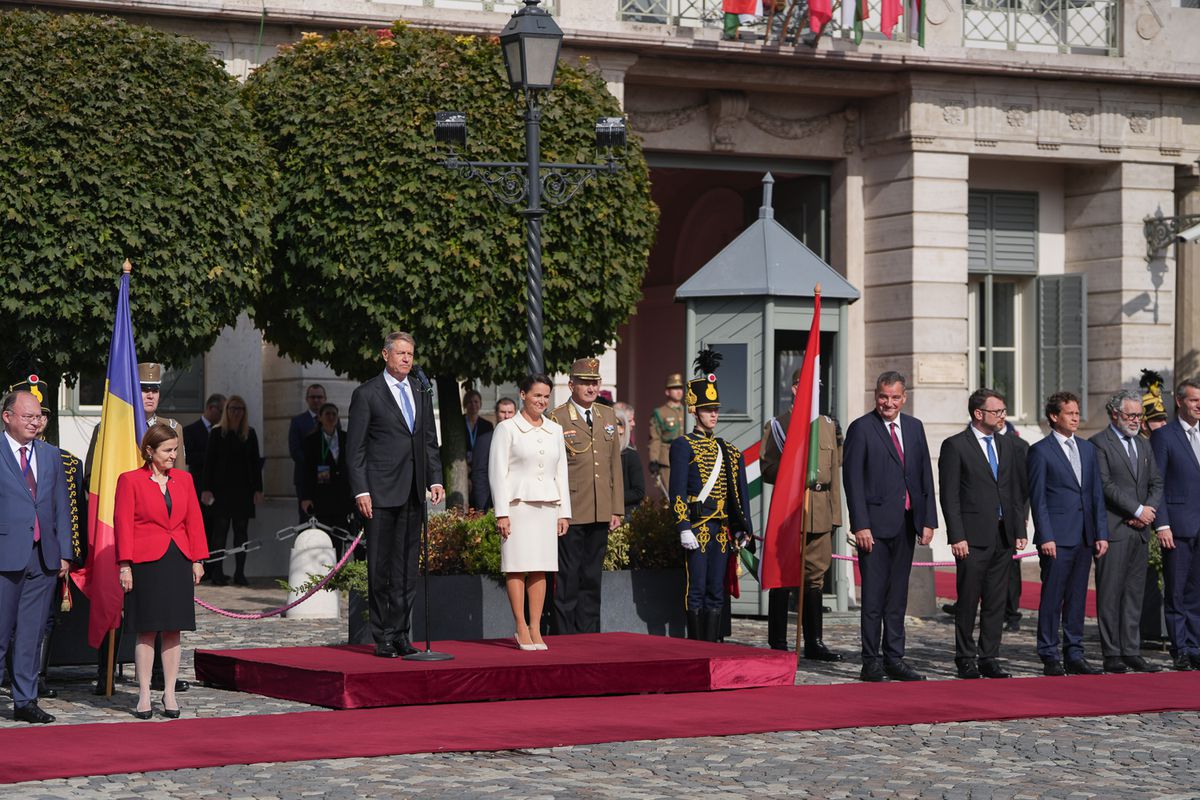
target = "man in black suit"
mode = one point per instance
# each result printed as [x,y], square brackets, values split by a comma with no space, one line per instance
[888,481]
[983,492]
[1133,493]
[392,458]
[302,425]
[481,487]
[195,445]
[325,493]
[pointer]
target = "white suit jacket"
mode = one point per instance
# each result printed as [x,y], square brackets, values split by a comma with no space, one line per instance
[528,463]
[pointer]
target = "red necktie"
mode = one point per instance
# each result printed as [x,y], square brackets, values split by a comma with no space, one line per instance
[31,482]
[900,452]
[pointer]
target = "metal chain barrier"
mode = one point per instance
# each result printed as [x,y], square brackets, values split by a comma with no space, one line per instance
[286,533]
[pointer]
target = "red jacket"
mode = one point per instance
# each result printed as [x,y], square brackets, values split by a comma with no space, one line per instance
[143,529]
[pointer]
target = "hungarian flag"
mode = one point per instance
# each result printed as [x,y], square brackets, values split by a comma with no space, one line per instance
[890,12]
[916,21]
[782,557]
[854,13]
[121,422]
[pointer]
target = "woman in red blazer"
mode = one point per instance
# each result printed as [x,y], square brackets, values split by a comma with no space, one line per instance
[160,548]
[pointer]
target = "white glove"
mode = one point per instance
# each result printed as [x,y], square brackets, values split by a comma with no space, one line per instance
[688,540]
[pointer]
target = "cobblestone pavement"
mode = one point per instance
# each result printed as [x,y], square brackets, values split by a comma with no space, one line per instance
[1137,756]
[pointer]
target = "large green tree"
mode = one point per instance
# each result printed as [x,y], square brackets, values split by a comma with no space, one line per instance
[118,141]
[372,234]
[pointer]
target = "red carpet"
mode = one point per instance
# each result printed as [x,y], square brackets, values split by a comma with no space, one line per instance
[56,751]
[574,666]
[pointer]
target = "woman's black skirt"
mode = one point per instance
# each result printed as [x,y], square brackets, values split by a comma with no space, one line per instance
[163,595]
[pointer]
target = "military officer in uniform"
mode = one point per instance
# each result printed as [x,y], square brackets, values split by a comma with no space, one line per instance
[667,423]
[709,503]
[824,513]
[597,499]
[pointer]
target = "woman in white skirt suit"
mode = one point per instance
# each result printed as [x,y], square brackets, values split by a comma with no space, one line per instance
[527,469]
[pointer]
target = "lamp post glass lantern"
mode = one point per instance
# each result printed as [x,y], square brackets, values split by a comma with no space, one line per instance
[530,44]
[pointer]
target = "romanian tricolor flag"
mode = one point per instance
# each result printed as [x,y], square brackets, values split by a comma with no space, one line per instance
[783,545]
[121,423]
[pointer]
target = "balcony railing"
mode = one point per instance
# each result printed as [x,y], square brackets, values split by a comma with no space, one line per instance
[1052,26]
[789,23]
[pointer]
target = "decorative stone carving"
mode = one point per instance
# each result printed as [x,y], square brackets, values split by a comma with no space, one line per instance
[784,128]
[1017,116]
[850,133]
[1139,121]
[725,111]
[954,113]
[659,121]
[1078,119]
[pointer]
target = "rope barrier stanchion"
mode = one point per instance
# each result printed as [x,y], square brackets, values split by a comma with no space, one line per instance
[276,611]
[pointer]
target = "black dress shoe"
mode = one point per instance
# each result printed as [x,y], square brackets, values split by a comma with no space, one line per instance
[1194,658]
[901,671]
[872,672]
[778,646]
[1012,625]
[990,668]
[1181,663]
[1139,664]
[1053,668]
[1080,666]
[219,580]
[181,685]
[819,652]
[386,650]
[969,671]
[147,714]
[240,580]
[404,647]
[1115,665]
[950,608]
[31,713]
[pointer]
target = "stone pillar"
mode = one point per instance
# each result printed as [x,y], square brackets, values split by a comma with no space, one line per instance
[1130,304]
[915,282]
[613,66]
[1187,282]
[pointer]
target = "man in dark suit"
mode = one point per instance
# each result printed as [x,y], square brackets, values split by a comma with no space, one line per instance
[34,552]
[392,458]
[1176,448]
[983,492]
[195,445]
[888,481]
[481,487]
[1066,496]
[1133,493]
[302,425]
[325,493]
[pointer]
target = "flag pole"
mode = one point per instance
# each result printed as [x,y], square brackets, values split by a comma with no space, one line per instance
[808,514]
[108,670]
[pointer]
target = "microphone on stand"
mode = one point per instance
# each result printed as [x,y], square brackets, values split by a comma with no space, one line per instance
[422,379]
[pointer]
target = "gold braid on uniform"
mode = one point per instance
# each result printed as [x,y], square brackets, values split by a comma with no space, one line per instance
[71,466]
[571,448]
[704,456]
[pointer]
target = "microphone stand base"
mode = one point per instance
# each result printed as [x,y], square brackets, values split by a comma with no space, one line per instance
[428,655]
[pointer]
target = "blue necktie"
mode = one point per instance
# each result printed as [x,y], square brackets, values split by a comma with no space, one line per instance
[991,451]
[406,406]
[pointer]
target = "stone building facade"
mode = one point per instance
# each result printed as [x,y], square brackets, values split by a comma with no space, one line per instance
[986,192]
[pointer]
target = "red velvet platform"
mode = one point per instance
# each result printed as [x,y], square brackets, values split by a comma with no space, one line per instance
[574,666]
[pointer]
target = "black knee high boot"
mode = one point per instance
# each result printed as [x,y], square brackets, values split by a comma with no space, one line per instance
[710,624]
[777,618]
[239,575]
[693,625]
[814,616]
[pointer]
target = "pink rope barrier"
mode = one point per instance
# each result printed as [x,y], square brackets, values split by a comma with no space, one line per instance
[931,563]
[276,611]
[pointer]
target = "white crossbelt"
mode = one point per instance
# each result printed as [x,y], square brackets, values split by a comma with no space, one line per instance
[712,479]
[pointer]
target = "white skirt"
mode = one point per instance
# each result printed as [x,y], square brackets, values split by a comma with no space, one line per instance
[532,544]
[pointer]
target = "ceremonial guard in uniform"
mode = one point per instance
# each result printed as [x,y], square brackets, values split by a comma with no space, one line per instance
[709,503]
[823,514]
[1154,412]
[667,423]
[597,499]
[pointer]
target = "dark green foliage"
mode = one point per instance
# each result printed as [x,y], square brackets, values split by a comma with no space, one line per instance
[372,234]
[118,141]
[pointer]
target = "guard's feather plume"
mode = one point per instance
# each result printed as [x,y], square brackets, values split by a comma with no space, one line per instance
[1150,378]
[707,361]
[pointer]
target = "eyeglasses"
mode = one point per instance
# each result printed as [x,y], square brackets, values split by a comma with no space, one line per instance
[27,417]
[999,412]
[1131,417]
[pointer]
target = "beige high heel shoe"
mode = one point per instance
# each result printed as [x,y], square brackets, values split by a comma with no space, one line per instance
[517,639]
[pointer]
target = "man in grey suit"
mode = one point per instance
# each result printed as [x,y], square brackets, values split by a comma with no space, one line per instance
[392,459]
[1133,493]
[35,520]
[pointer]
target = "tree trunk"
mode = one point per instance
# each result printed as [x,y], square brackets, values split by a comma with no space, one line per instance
[454,442]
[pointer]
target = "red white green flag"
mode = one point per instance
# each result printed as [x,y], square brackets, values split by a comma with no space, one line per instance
[782,556]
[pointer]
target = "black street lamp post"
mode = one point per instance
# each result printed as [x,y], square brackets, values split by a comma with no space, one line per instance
[530,43]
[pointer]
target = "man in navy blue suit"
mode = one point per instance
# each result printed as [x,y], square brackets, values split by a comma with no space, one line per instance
[1176,448]
[1066,496]
[302,425]
[888,481]
[35,518]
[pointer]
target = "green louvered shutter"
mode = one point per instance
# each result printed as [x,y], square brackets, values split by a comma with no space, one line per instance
[1062,336]
[1002,230]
